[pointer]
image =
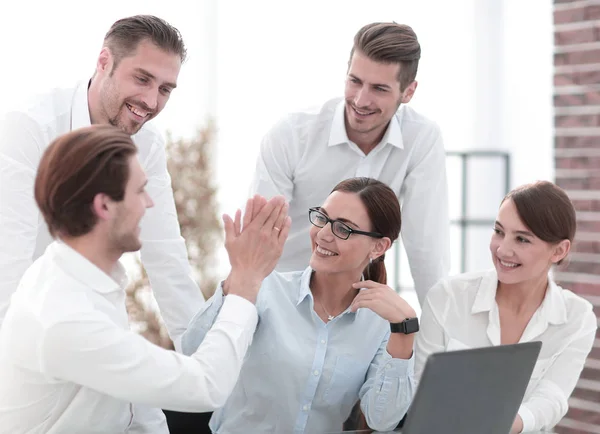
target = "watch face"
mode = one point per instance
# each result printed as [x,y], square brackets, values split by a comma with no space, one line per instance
[412,325]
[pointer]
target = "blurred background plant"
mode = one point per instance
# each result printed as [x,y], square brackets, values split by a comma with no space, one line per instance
[190,163]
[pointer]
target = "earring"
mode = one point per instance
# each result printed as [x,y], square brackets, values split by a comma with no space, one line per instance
[370,261]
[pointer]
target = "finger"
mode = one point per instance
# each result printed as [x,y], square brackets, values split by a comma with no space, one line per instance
[259,203]
[270,223]
[237,222]
[285,230]
[366,284]
[280,221]
[248,212]
[360,304]
[266,211]
[229,229]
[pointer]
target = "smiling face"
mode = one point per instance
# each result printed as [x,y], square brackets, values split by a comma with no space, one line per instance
[518,255]
[137,88]
[372,95]
[331,254]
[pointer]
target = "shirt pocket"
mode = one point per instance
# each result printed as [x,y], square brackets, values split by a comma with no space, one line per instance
[348,376]
[456,345]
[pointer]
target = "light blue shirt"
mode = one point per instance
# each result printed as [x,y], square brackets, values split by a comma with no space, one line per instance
[302,375]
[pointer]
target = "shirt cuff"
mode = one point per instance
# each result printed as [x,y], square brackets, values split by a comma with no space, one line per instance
[397,368]
[238,310]
[527,417]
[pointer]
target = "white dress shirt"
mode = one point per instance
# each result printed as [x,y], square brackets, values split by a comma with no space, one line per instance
[306,154]
[461,312]
[24,135]
[69,363]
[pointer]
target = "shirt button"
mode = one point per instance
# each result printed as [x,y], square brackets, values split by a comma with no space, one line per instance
[305,408]
[322,341]
[388,366]
[316,372]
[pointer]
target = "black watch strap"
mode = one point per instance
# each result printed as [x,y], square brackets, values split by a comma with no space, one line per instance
[408,326]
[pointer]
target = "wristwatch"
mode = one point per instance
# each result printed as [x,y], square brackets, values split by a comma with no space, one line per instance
[408,326]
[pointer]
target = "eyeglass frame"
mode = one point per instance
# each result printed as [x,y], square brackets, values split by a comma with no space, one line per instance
[332,221]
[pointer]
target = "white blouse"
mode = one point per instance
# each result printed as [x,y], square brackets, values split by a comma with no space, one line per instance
[461,312]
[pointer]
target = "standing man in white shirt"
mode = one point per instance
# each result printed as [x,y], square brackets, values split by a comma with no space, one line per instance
[370,132]
[136,72]
[68,361]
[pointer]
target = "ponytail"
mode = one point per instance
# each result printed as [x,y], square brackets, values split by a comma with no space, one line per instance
[376,271]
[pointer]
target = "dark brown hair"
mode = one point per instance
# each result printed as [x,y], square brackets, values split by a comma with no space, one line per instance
[125,35]
[383,209]
[390,43]
[74,169]
[546,210]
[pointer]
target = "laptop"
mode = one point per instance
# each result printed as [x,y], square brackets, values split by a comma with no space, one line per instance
[473,391]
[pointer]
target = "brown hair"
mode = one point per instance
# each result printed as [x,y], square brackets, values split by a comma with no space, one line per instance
[125,34]
[546,210]
[74,169]
[390,43]
[383,209]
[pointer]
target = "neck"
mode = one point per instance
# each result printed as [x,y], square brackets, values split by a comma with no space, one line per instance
[368,140]
[524,296]
[334,290]
[94,251]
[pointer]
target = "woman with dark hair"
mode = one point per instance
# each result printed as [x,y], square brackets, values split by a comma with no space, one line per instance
[517,301]
[329,335]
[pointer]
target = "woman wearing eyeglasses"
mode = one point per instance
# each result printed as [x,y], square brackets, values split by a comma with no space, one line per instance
[329,335]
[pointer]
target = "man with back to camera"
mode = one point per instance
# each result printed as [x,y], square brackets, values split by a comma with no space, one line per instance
[68,361]
[370,132]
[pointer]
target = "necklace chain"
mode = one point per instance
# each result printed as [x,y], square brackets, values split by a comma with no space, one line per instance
[330,317]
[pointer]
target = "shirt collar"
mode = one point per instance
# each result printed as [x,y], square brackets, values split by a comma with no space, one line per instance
[81,269]
[552,309]
[304,290]
[338,135]
[80,109]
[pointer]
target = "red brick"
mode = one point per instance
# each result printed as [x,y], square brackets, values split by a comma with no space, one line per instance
[584,267]
[576,142]
[578,162]
[586,246]
[592,12]
[577,121]
[569,15]
[592,97]
[581,78]
[589,226]
[584,289]
[569,100]
[577,57]
[579,36]
[588,183]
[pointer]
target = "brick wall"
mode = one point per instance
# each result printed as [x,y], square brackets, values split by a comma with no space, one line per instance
[577,158]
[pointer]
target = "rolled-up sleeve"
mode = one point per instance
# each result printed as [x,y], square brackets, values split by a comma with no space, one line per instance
[388,390]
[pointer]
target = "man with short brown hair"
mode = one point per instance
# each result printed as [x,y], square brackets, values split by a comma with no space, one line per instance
[136,71]
[68,361]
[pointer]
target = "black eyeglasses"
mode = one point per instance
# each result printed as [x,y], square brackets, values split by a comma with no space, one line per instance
[339,229]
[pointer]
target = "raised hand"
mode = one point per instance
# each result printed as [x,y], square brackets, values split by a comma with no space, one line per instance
[255,244]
